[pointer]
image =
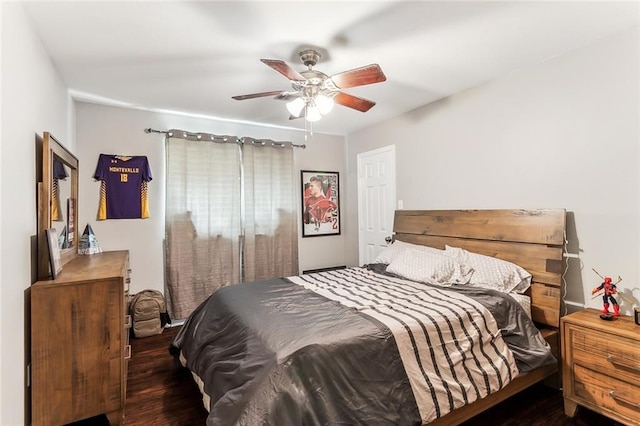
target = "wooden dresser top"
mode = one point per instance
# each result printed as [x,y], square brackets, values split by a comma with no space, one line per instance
[92,267]
[590,318]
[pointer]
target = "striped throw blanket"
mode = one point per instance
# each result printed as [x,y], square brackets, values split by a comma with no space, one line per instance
[450,345]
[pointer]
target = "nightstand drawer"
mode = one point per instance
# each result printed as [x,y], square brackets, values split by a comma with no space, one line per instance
[610,393]
[618,356]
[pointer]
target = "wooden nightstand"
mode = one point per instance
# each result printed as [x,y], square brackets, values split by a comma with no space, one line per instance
[601,365]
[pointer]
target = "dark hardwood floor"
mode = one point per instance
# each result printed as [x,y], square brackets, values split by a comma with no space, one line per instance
[159,393]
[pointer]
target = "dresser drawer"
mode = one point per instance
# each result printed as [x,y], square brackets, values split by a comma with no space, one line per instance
[612,355]
[620,398]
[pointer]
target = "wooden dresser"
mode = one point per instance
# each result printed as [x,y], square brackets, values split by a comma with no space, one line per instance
[601,365]
[80,341]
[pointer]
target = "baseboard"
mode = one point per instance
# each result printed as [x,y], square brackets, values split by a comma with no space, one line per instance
[330,268]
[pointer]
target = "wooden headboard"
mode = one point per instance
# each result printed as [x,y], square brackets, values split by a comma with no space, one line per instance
[533,239]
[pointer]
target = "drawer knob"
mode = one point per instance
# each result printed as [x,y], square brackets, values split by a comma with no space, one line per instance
[624,400]
[623,364]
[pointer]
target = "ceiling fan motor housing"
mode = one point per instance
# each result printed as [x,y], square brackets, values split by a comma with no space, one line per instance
[310,57]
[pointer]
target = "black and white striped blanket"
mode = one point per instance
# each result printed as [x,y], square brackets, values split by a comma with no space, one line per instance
[451,347]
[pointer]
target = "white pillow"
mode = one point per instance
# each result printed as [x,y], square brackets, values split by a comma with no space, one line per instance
[490,272]
[389,253]
[429,267]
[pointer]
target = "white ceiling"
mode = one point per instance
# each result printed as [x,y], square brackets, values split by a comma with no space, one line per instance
[192,57]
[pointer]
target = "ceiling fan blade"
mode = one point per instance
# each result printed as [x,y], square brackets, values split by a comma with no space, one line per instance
[284,69]
[293,117]
[350,101]
[287,96]
[368,74]
[257,95]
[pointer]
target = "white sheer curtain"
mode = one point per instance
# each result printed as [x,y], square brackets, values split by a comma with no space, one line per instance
[217,192]
[271,238]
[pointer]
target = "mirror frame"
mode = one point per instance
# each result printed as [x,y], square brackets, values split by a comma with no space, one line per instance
[50,148]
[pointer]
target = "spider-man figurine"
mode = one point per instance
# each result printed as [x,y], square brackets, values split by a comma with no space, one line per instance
[609,290]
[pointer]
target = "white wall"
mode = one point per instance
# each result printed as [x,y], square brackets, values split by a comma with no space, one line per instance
[34,99]
[563,133]
[114,130]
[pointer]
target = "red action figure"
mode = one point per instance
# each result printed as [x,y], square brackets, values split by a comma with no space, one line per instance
[609,290]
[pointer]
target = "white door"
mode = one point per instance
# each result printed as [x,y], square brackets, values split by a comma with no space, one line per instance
[376,200]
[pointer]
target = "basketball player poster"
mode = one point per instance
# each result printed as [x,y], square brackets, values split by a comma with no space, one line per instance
[320,203]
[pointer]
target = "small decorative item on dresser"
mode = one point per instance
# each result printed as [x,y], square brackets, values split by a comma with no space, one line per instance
[636,315]
[89,242]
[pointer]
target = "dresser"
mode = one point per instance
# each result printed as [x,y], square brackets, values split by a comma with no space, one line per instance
[80,341]
[601,365]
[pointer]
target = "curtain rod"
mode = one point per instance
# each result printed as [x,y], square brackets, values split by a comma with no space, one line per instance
[241,140]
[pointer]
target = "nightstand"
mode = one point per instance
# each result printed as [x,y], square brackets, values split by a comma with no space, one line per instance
[601,365]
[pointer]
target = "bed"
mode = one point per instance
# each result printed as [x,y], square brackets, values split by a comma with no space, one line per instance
[366,345]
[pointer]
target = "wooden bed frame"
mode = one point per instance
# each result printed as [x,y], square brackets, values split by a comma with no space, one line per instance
[533,239]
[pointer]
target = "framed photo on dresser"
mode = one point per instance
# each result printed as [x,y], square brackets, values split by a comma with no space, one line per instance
[55,260]
[320,203]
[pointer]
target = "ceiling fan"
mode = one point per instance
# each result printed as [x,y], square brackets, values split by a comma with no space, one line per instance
[314,92]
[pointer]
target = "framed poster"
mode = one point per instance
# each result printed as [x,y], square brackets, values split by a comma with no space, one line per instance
[320,203]
[54,252]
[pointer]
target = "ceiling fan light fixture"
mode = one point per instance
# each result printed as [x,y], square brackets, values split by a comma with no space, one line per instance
[312,114]
[295,107]
[324,104]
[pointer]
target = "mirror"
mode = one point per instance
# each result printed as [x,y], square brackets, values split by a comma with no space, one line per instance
[61,190]
[57,202]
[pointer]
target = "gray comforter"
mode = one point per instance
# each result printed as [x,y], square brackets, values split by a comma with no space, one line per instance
[278,352]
